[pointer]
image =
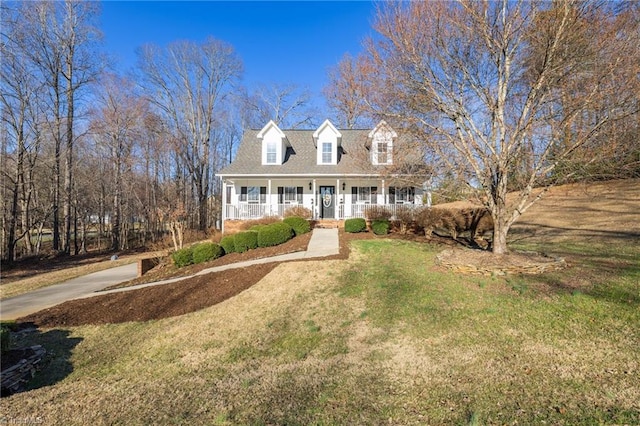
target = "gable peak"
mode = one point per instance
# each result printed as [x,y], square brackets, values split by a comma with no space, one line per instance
[384,127]
[323,126]
[271,124]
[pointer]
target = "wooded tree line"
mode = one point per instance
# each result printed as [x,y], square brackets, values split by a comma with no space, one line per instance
[88,152]
[506,96]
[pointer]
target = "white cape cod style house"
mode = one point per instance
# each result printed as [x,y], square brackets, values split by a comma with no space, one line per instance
[336,174]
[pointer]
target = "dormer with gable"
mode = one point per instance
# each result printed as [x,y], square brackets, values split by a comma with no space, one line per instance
[327,140]
[380,144]
[274,144]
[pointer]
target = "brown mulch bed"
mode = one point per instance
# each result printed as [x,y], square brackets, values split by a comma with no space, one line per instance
[188,295]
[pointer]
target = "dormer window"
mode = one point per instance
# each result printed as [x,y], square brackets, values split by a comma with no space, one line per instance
[274,144]
[381,144]
[382,152]
[272,151]
[327,139]
[326,153]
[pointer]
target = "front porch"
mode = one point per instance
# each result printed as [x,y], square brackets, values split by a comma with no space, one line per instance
[249,211]
[323,198]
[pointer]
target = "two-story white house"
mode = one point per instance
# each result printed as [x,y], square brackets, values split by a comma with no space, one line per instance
[334,173]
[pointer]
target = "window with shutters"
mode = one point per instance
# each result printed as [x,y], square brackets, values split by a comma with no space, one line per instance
[364,194]
[253,194]
[290,195]
[401,195]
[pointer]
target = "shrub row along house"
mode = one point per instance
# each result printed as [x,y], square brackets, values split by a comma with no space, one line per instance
[335,174]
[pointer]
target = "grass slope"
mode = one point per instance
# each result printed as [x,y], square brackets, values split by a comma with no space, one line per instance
[384,337]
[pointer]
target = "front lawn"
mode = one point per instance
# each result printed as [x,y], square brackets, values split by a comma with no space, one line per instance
[384,337]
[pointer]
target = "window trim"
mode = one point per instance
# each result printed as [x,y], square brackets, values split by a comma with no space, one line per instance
[325,152]
[357,195]
[402,195]
[271,151]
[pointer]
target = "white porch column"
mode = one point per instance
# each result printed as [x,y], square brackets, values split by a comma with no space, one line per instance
[315,201]
[224,205]
[384,198]
[269,197]
[336,210]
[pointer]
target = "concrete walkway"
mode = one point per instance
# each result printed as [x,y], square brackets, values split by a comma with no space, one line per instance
[324,242]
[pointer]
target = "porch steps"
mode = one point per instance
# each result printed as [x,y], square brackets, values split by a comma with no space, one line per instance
[327,224]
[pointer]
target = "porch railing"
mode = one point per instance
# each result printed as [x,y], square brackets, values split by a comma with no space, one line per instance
[247,211]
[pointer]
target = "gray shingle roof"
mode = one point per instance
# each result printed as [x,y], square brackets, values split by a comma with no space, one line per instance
[300,159]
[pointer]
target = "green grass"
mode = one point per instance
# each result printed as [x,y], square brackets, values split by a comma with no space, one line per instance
[384,338]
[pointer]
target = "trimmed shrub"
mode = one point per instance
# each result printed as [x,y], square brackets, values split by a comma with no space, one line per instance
[206,251]
[274,234]
[299,211]
[266,220]
[257,227]
[300,225]
[377,213]
[183,257]
[380,227]
[245,241]
[355,225]
[228,244]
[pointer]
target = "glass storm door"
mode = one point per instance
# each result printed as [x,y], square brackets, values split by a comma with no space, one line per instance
[327,202]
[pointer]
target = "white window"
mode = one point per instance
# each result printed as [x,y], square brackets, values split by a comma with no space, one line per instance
[382,153]
[271,153]
[326,153]
[401,195]
[364,195]
[290,194]
[253,194]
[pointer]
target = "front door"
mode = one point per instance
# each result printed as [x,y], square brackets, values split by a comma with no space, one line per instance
[327,202]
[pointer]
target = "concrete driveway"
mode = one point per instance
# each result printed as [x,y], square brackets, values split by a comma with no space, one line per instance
[25,304]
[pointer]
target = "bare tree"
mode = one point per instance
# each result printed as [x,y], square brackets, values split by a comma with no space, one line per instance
[186,82]
[59,41]
[490,86]
[18,97]
[116,124]
[286,104]
[345,93]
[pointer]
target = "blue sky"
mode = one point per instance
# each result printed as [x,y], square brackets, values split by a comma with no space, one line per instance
[278,42]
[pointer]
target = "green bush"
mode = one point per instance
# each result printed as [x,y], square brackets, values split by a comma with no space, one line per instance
[246,240]
[300,225]
[5,339]
[380,227]
[206,251]
[257,227]
[274,234]
[355,225]
[183,257]
[228,244]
